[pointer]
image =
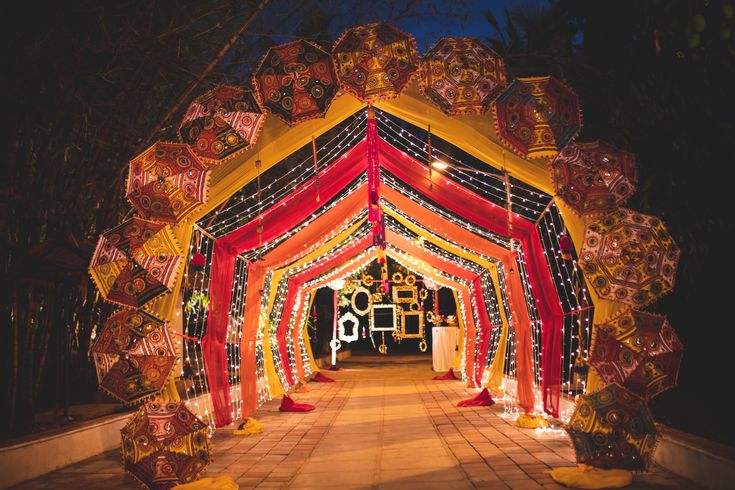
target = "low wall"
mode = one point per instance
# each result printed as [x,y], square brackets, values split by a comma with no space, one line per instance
[37,456]
[707,463]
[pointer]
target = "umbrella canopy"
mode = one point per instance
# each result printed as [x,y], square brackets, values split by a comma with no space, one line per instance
[135,262]
[462,76]
[613,428]
[166,182]
[296,81]
[629,257]
[222,122]
[536,117]
[375,61]
[593,178]
[164,444]
[638,350]
[134,355]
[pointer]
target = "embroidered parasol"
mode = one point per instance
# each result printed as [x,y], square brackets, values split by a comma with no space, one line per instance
[133,355]
[296,81]
[462,76]
[167,182]
[536,117]
[221,123]
[135,262]
[613,428]
[375,61]
[638,350]
[593,178]
[629,257]
[164,444]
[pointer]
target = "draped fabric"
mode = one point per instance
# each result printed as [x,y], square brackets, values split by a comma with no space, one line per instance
[277,220]
[301,204]
[478,210]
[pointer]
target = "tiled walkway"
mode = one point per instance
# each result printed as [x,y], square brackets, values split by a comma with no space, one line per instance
[383,424]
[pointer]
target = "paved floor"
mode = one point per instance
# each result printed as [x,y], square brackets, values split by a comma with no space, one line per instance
[383,424]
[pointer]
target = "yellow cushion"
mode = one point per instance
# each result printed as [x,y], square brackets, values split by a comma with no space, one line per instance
[220,483]
[584,476]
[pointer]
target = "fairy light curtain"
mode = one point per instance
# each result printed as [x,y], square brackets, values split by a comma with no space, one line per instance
[353,166]
[550,311]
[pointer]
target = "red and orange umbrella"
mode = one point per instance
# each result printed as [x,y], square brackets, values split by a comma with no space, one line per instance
[164,444]
[296,81]
[167,182]
[375,61]
[639,351]
[536,117]
[135,262]
[221,123]
[462,76]
[629,257]
[134,355]
[593,178]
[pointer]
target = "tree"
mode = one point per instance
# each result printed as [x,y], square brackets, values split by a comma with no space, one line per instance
[655,78]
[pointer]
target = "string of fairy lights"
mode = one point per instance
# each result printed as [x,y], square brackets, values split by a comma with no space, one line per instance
[244,205]
[194,302]
[282,290]
[463,168]
[255,253]
[487,183]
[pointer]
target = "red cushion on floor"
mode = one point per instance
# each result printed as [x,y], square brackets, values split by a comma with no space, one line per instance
[482,399]
[320,378]
[288,405]
[448,376]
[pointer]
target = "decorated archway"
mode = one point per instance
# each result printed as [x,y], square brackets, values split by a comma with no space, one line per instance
[496,205]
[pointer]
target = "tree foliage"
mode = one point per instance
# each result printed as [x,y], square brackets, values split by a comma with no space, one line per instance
[86,87]
[655,77]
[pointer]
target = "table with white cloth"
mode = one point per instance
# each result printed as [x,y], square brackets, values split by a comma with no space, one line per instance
[444,343]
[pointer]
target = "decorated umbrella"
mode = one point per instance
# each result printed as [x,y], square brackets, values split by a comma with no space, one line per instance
[135,262]
[629,257]
[375,61]
[593,178]
[164,444]
[166,182]
[536,117]
[134,355]
[296,81]
[221,123]
[613,428]
[462,76]
[639,351]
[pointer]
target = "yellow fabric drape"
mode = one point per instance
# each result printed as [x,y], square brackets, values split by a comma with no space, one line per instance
[275,388]
[307,343]
[494,381]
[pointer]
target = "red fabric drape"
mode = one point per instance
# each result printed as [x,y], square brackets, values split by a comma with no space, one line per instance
[278,219]
[476,209]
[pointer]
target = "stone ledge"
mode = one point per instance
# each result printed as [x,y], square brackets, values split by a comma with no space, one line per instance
[709,464]
[33,457]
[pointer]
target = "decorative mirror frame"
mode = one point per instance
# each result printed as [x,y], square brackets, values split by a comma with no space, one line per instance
[380,328]
[420,316]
